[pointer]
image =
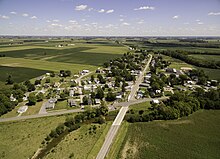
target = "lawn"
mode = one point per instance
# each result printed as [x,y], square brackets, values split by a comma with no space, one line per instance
[81,144]
[21,139]
[20,74]
[197,136]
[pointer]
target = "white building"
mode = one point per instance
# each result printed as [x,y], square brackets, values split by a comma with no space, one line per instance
[22,109]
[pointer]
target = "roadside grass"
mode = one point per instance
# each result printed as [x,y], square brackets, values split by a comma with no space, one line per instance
[80,143]
[196,136]
[118,141]
[63,105]
[21,139]
[19,74]
[140,106]
[12,113]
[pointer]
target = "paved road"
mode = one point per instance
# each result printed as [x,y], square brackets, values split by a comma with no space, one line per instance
[139,80]
[43,108]
[40,115]
[118,120]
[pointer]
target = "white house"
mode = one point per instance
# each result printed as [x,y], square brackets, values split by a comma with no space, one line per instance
[85,71]
[22,109]
[155,101]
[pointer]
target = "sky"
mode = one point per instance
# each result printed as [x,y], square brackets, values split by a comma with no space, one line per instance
[110,17]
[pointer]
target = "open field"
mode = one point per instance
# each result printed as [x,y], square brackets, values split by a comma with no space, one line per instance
[80,143]
[19,74]
[196,136]
[140,106]
[22,139]
[212,73]
[207,57]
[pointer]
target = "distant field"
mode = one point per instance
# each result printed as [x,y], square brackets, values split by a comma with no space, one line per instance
[197,136]
[43,65]
[88,54]
[19,74]
[22,139]
[81,143]
[207,57]
[212,73]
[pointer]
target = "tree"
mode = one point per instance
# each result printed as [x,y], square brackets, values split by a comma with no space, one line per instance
[92,78]
[47,80]
[85,100]
[100,93]
[32,99]
[37,82]
[110,96]
[9,80]
[40,96]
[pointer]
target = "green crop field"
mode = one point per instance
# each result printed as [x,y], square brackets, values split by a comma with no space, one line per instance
[196,136]
[207,57]
[19,74]
[21,139]
[33,59]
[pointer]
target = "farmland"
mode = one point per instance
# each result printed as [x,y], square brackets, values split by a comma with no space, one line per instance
[31,59]
[196,136]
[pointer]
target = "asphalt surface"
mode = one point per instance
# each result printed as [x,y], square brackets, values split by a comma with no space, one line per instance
[119,118]
[40,115]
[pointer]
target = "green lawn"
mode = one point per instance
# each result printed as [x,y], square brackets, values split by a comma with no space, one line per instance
[197,136]
[81,143]
[21,139]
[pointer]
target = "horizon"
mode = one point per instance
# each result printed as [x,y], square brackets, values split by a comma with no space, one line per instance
[152,18]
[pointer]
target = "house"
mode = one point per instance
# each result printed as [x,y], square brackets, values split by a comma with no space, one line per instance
[144,85]
[50,104]
[85,71]
[119,96]
[71,94]
[158,91]
[97,101]
[171,70]
[71,102]
[12,99]
[155,101]
[22,109]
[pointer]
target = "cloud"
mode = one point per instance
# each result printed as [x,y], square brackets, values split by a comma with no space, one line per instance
[101,11]
[110,11]
[55,20]
[81,7]
[214,13]
[126,24]
[48,21]
[145,8]
[83,20]
[72,21]
[13,12]
[200,23]
[4,17]
[197,20]
[176,17]
[141,22]
[33,17]
[25,15]
[55,24]
[121,20]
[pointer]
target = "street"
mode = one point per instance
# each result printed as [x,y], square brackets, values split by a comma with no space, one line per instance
[119,118]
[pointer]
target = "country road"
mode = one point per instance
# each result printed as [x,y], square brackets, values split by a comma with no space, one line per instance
[119,118]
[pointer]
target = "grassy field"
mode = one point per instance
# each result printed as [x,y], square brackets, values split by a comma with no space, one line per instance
[20,74]
[212,73]
[21,139]
[176,63]
[207,57]
[81,144]
[196,136]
